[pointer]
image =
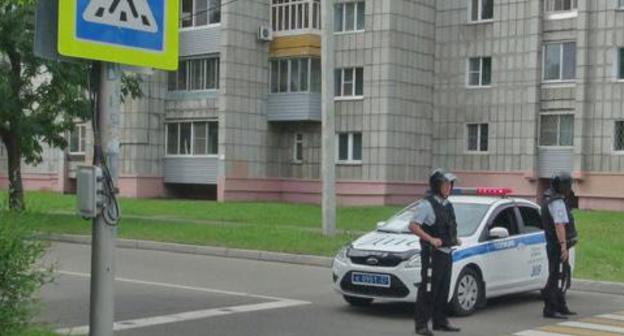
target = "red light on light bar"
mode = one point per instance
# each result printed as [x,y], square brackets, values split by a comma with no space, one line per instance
[494,191]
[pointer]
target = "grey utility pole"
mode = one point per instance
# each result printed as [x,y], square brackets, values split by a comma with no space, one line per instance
[328,147]
[102,313]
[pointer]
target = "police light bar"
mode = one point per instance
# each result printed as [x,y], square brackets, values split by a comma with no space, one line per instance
[482,191]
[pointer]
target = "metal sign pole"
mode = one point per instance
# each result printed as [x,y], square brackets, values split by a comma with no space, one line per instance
[102,313]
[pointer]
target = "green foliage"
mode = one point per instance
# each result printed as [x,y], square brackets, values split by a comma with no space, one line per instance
[20,274]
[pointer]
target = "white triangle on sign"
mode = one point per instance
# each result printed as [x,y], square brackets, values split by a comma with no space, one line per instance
[130,14]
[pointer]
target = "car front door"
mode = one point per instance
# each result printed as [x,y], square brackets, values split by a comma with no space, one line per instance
[502,270]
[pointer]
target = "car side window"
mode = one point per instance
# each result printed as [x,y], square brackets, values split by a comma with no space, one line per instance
[531,218]
[506,219]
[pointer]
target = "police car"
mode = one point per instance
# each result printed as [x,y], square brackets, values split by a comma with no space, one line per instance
[502,252]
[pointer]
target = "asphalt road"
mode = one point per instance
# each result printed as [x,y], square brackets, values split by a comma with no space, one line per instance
[161,293]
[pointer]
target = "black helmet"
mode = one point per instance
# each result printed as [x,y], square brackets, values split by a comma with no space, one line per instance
[438,177]
[562,183]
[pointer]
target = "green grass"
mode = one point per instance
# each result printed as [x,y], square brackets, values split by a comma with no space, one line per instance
[39,332]
[600,252]
[291,228]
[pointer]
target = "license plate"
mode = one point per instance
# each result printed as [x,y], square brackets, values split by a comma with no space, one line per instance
[370,279]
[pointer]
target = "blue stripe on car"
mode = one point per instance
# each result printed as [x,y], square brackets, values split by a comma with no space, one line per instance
[489,247]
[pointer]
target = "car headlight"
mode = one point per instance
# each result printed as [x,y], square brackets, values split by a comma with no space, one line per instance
[413,262]
[342,255]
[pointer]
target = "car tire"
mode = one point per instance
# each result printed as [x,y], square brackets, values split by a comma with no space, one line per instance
[468,293]
[357,301]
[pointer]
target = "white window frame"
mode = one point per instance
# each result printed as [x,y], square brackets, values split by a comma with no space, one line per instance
[350,147]
[353,95]
[479,138]
[355,17]
[480,18]
[82,139]
[297,140]
[188,79]
[553,14]
[287,7]
[558,115]
[168,124]
[193,16]
[615,131]
[560,80]
[288,80]
[469,72]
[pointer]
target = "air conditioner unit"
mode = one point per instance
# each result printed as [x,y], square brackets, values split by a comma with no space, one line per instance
[265,34]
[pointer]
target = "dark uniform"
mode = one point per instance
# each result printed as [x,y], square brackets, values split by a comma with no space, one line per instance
[436,264]
[556,210]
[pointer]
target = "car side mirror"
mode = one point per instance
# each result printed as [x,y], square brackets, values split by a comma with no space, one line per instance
[498,233]
[380,224]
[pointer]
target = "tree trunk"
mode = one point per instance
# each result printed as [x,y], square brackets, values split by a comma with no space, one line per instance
[16,188]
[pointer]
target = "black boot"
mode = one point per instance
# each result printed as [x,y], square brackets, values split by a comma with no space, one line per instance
[424,331]
[446,327]
[554,315]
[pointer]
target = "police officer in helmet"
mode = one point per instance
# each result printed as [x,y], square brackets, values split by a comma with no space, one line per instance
[561,235]
[434,223]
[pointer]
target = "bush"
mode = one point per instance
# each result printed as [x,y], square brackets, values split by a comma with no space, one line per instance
[21,275]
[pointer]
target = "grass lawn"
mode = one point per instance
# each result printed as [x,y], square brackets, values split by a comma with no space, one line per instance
[291,228]
[39,332]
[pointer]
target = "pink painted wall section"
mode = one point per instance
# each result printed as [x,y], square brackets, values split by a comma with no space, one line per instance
[309,191]
[36,182]
[141,186]
[599,191]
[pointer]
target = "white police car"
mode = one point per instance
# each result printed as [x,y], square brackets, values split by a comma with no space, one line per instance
[502,252]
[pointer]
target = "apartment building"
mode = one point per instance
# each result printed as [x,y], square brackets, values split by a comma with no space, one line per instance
[502,92]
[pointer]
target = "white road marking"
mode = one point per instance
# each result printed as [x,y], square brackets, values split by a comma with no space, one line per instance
[538,333]
[593,326]
[174,286]
[187,316]
[276,303]
[612,317]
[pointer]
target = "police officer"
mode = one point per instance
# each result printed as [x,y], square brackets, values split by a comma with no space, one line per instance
[561,235]
[434,222]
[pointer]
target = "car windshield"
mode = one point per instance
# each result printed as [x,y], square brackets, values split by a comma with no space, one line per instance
[468,215]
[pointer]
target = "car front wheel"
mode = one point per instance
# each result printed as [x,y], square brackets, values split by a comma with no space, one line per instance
[357,301]
[468,292]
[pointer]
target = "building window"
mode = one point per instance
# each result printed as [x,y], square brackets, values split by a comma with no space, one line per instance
[478,137]
[195,74]
[557,130]
[560,61]
[349,82]
[298,148]
[481,10]
[349,147]
[195,138]
[77,139]
[561,5]
[296,75]
[620,63]
[295,15]
[619,135]
[349,17]
[621,4]
[197,13]
[480,71]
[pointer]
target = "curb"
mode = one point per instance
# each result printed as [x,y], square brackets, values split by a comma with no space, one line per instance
[297,259]
[582,285]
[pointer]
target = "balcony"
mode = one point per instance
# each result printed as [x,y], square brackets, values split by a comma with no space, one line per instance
[296,106]
[295,17]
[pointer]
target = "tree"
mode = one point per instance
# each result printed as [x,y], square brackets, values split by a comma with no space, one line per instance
[39,99]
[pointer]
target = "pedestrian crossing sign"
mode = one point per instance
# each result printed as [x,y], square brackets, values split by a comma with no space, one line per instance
[142,33]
